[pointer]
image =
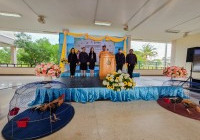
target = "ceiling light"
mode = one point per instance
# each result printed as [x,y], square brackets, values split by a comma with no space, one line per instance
[172,31]
[101,23]
[136,39]
[50,32]
[7,14]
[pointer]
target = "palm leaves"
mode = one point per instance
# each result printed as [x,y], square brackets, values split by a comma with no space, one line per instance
[148,51]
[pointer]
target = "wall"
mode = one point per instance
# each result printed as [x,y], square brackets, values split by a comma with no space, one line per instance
[150,72]
[30,71]
[179,51]
[17,71]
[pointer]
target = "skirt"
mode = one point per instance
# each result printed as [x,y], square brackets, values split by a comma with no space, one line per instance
[91,66]
[83,66]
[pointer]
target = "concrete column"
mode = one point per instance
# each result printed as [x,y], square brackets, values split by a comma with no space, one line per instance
[129,43]
[13,55]
[165,63]
[173,53]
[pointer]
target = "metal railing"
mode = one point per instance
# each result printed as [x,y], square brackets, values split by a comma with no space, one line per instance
[147,65]
[17,65]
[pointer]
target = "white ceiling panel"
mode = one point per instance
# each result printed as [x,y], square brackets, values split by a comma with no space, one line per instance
[146,11]
[117,11]
[172,16]
[148,19]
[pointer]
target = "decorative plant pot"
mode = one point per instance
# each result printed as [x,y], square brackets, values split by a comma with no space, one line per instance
[48,78]
[22,123]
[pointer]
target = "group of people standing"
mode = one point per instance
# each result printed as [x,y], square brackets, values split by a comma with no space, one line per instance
[130,60]
[83,59]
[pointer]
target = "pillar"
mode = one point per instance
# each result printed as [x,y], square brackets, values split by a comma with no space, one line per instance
[165,61]
[13,55]
[173,53]
[129,44]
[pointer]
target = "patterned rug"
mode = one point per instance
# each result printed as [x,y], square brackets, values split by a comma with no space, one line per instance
[179,109]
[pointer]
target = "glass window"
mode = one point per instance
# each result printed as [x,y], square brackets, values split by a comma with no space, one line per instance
[152,55]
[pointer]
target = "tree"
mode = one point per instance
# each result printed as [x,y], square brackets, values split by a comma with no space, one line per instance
[139,55]
[148,51]
[158,61]
[55,54]
[5,55]
[33,53]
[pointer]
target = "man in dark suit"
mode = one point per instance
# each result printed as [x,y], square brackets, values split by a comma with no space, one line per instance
[131,60]
[120,59]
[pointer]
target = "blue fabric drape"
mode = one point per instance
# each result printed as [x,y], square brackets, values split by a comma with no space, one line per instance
[84,95]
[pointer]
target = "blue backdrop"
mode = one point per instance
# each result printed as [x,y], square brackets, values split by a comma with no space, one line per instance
[71,41]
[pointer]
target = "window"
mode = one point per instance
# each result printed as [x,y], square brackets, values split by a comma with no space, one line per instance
[152,55]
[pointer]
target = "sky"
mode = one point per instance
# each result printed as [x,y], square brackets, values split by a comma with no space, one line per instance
[53,38]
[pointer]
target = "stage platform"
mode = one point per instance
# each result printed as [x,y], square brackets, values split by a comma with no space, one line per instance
[81,82]
[96,74]
[90,89]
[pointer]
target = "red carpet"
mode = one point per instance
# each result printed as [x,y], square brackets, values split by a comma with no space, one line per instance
[179,109]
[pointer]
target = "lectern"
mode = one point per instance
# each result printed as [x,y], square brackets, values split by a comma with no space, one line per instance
[107,64]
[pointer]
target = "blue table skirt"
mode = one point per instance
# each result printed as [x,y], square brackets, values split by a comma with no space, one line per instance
[84,95]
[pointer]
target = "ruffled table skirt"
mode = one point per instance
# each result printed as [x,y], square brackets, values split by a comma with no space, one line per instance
[84,95]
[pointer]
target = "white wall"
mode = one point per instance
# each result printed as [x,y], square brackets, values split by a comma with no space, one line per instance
[17,71]
[30,71]
[179,51]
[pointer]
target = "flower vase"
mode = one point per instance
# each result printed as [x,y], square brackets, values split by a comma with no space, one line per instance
[48,78]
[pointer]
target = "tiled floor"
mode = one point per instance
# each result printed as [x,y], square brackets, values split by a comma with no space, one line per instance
[105,120]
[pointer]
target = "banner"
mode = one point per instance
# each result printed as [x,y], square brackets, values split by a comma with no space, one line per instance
[97,45]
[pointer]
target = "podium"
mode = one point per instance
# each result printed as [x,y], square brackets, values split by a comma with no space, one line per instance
[107,64]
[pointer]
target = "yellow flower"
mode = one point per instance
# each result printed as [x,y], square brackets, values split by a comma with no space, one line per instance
[117,78]
[129,84]
[112,87]
[114,73]
[108,86]
[125,83]
[109,78]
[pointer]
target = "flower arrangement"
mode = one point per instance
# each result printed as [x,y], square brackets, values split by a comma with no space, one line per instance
[64,61]
[48,69]
[175,72]
[119,81]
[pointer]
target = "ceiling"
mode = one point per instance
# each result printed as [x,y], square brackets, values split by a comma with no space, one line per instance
[146,19]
